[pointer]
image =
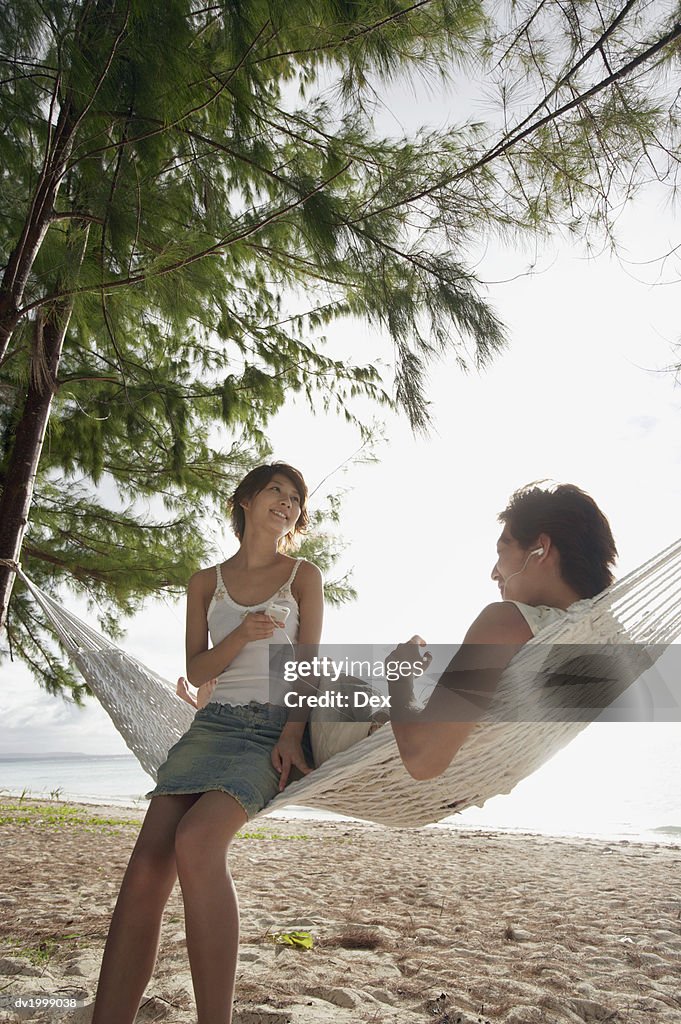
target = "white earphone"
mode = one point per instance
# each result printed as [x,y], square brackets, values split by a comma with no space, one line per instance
[537,551]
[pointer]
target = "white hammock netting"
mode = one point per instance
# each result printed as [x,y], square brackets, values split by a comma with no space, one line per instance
[368,780]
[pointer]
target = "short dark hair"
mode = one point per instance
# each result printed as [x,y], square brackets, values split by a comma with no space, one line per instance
[575,524]
[256,481]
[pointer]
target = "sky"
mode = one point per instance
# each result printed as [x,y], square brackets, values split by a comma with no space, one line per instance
[581,395]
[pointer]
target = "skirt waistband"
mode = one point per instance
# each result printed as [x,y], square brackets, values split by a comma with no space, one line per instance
[254,711]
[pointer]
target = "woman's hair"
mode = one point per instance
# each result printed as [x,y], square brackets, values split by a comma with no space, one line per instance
[256,481]
[575,524]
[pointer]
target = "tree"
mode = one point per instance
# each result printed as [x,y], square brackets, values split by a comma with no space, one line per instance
[179,230]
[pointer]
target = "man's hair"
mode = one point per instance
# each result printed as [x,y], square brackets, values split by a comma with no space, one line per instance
[256,481]
[575,524]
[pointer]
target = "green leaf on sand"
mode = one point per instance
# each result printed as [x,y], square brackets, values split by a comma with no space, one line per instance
[302,940]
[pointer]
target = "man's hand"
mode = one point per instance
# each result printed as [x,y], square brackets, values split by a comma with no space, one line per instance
[409,653]
[286,754]
[403,662]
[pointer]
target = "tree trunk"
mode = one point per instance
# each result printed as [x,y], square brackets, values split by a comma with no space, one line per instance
[22,467]
[37,222]
[59,146]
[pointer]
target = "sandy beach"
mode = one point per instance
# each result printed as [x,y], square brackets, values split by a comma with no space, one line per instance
[408,926]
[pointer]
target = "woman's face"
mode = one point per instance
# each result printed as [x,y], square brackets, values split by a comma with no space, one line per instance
[511,569]
[277,507]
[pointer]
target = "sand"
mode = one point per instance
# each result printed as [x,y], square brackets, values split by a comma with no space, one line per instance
[452,927]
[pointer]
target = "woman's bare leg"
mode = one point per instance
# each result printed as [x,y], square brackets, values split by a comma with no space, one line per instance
[211,909]
[132,944]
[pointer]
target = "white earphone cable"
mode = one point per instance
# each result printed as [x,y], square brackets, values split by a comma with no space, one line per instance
[537,551]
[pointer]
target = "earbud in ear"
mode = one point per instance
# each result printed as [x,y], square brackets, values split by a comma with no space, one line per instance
[537,551]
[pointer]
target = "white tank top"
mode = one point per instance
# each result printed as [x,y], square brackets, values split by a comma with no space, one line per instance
[539,616]
[247,677]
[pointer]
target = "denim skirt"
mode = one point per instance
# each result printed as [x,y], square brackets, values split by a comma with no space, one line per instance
[227,748]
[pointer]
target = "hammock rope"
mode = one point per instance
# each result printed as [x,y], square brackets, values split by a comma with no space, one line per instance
[642,612]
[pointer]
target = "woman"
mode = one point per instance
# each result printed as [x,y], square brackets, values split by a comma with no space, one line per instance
[236,755]
[556,548]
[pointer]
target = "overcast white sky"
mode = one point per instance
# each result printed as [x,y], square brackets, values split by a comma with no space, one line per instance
[578,397]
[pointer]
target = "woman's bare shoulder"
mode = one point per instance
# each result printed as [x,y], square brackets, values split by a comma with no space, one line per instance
[208,573]
[203,581]
[308,570]
[308,579]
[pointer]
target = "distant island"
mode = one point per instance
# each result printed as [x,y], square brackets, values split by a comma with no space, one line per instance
[64,755]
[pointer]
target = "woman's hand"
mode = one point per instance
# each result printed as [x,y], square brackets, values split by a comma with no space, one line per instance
[288,753]
[255,626]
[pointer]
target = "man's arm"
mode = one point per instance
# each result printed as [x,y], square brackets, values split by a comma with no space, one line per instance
[429,739]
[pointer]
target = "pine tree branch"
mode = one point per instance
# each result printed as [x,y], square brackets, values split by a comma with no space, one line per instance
[81,215]
[38,670]
[173,124]
[521,32]
[211,250]
[581,98]
[350,38]
[301,316]
[341,465]
[236,155]
[353,153]
[576,67]
[72,380]
[13,60]
[311,269]
[102,76]
[53,169]
[513,139]
[27,77]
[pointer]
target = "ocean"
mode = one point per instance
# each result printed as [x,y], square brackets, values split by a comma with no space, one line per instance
[614,782]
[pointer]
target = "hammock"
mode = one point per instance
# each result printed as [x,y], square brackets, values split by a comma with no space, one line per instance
[368,781]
